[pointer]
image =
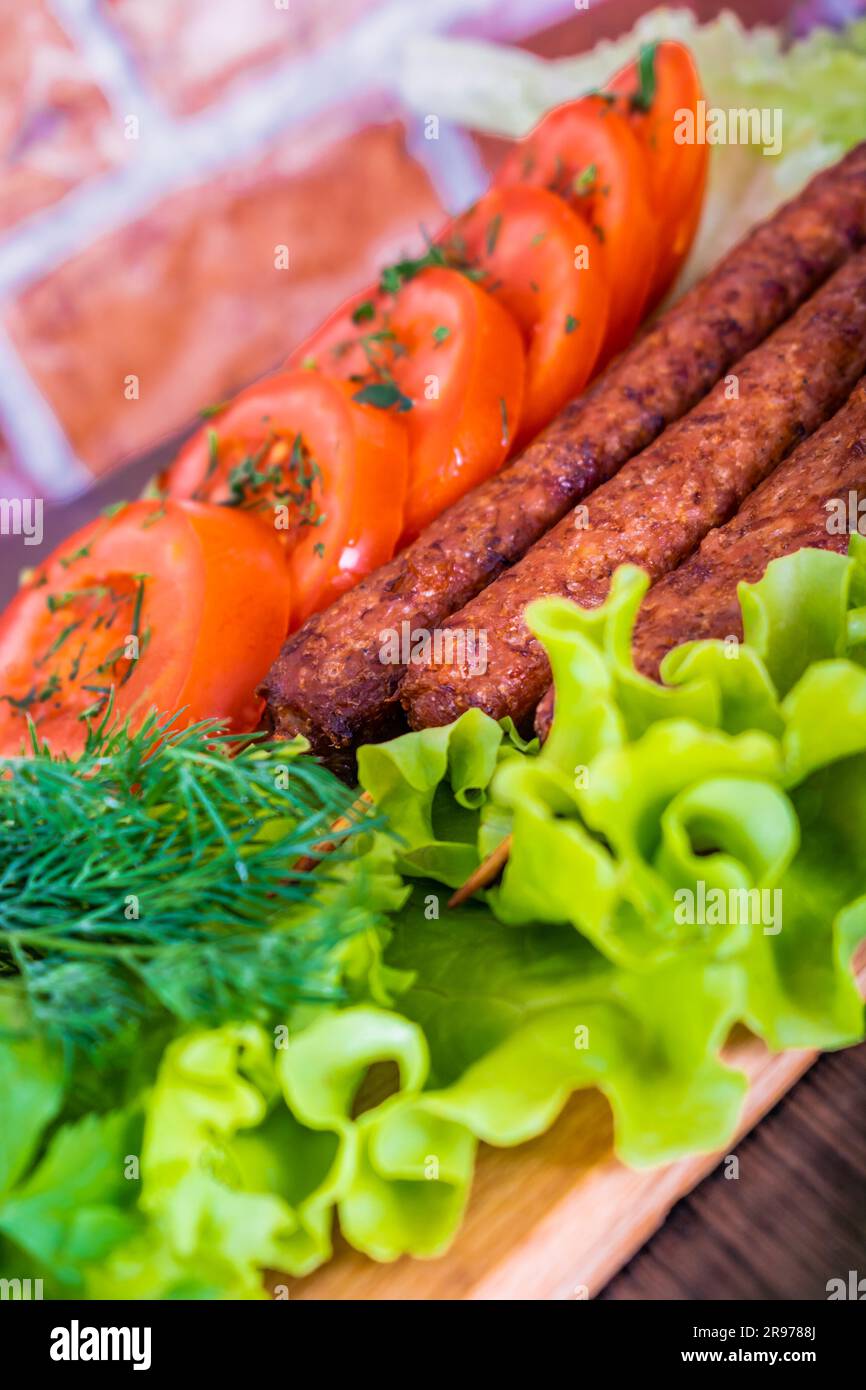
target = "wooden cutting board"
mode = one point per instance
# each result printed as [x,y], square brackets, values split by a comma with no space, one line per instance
[557,1217]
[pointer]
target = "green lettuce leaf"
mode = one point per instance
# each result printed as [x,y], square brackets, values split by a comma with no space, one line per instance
[685,856]
[64,1199]
[432,786]
[212,1190]
[406,1172]
[727,782]
[33,1075]
[72,1210]
[524,1017]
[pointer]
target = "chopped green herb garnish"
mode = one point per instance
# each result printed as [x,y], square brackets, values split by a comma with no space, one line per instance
[155,516]
[275,476]
[571,323]
[136,623]
[584,182]
[493,233]
[81,554]
[59,640]
[383,395]
[213,454]
[306,471]
[54,602]
[248,476]
[441,332]
[364,312]
[642,99]
[176,819]
[211,410]
[76,664]
[36,695]
[449,257]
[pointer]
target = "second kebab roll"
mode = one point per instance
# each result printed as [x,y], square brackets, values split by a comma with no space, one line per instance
[332,681]
[810,501]
[798,507]
[660,505]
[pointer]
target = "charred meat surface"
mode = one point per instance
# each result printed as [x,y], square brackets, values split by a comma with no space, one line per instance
[659,507]
[330,681]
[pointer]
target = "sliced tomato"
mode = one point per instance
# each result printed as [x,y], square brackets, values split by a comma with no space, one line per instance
[345,345]
[526,239]
[165,605]
[654,93]
[327,472]
[460,363]
[586,152]
[446,359]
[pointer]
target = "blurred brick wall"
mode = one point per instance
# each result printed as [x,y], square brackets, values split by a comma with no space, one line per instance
[56,126]
[155,154]
[189,50]
[187,298]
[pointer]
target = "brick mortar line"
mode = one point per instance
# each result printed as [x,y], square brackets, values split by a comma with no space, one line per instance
[452,163]
[187,151]
[180,155]
[518,18]
[40,448]
[107,60]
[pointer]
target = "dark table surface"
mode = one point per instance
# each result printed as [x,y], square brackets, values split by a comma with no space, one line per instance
[793,1219]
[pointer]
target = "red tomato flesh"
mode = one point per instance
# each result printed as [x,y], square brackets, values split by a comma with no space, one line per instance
[165,605]
[528,241]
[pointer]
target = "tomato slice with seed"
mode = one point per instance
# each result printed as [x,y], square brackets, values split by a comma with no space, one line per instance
[585,152]
[326,472]
[164,605]
[528,240]
[655,92]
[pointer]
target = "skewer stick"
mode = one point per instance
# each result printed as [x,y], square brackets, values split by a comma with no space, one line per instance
[358,808]
[488,870]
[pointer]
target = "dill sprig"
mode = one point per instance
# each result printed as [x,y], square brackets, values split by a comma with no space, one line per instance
[157,877]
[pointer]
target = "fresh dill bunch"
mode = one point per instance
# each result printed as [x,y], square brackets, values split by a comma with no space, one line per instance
[157,875]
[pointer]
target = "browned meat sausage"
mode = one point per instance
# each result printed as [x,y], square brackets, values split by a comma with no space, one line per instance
[330,681]
[787,512]
[661,504]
